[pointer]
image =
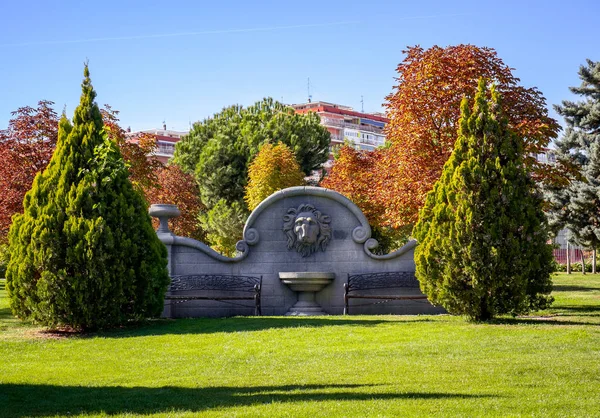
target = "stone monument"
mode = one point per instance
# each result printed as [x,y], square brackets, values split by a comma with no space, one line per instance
[303,241]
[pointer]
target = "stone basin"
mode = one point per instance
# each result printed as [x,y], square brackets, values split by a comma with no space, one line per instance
[306,284]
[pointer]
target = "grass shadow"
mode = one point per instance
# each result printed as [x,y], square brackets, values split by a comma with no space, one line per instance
[29,400]
[559,315]
[235,324]
[549,320]
[571,288]
[6,313]
[579,310]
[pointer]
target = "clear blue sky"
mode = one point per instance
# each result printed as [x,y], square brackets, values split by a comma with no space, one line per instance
[181,61]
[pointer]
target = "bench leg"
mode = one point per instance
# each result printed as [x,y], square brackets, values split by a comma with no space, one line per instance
[346,299]
[257,310]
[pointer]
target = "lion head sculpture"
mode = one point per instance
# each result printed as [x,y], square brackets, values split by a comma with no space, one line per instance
[307,229]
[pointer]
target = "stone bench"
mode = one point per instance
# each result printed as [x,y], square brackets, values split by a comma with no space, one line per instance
[218,287]
[371,285]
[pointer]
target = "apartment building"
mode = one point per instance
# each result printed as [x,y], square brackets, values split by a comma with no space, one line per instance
[364,130]
[166,140]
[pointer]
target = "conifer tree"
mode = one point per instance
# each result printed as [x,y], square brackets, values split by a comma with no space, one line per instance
[482,234]
[84,253]
[577,207]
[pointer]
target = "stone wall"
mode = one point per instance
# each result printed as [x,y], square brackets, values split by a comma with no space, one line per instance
[264,252]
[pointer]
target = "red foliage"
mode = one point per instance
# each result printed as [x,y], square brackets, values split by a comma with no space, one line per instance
[26,147]
[142,170]
[159,183]
[353,175]
[178,188]
[424,109]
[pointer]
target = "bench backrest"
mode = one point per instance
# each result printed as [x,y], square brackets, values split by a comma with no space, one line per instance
[382,280]
[214,282]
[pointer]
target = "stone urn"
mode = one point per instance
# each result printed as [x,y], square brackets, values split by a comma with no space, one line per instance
[164,212]
[306,284]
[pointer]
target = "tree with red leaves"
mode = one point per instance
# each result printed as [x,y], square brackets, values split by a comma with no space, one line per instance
[178,188]
[26,147]
[424,110]
[142,170]
[159,183]
[30,139]
[352,175]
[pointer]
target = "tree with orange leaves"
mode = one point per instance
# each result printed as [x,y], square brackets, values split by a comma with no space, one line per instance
[354,174]
[274,168]
[424,110]
[159,183]
[142,170]
[178,188]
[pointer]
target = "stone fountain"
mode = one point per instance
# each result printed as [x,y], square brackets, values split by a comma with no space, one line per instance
[303,242]
[306,284]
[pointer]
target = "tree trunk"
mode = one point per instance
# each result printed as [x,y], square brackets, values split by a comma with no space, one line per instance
[594,261]
[582,262]
[484,313]
[568,259]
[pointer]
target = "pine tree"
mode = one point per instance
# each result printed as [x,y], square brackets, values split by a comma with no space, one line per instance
[219,149]
[577,207]
[482,234]
[84,254]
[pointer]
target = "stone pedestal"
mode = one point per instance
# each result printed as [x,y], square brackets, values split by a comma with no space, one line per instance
[165,212]
[306,284]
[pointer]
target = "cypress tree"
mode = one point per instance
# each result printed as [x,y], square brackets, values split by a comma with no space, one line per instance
[577,206]
[482,234]
[84,253]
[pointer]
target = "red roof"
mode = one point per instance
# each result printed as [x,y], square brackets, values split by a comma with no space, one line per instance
[333,109]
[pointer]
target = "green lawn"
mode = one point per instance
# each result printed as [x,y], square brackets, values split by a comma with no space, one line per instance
[544,365]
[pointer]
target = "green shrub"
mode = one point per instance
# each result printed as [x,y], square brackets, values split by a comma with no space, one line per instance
[482,234]
[390,239]
[223,225]
[4,256]
[84,254]
[576,267]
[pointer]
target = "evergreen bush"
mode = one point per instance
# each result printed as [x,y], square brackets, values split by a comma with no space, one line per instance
[482,234]
[84,254]
[224,224]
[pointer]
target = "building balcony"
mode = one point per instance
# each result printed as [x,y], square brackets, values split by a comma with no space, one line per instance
[165,149]
[336,123]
